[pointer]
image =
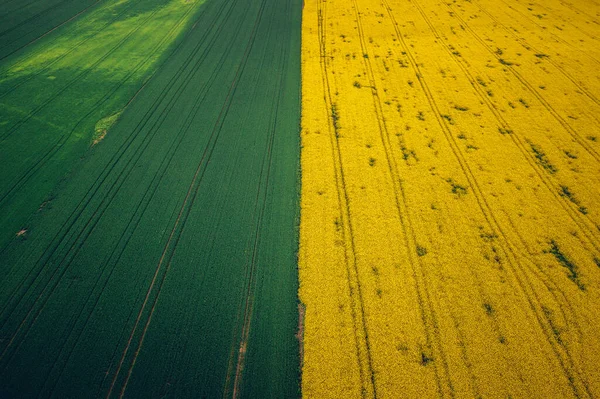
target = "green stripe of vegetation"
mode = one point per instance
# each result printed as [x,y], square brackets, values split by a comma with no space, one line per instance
[165,264]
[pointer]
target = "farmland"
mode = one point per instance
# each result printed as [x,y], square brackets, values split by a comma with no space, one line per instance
[284,198]
[56,93]
[150,200]
[450,220]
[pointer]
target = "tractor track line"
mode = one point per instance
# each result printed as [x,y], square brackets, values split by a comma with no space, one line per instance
[248,311]
[354,288]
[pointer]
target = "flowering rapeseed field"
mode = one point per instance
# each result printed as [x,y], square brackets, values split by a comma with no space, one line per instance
[450,221]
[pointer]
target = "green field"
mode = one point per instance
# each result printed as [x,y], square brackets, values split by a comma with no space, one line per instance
[149,200]
[55,91]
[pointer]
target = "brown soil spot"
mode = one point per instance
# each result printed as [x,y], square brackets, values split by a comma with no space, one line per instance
[99,137]
[300,333]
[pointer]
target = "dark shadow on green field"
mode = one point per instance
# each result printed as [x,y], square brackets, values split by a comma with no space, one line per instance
[25,21]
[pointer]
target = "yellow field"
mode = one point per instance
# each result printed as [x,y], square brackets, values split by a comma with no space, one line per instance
[450,223]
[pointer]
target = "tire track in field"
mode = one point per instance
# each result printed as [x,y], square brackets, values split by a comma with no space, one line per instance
[95,293]
[215,70]
[196,68]
[558,14]
[577,385]
[251,283]
[361,337]
[426,307]
[49,31]
[23,4]
[134,134]
[512,249]
[428,315]
[45,68]
[179,226]
[544,177]
[572,132]
[268,160]
[33,17]
[33,112]
[578,11]
[528,46]
[543,29]
[138,153]
[242,312]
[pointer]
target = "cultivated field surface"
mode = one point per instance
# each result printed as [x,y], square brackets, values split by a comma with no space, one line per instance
[450,221]
[149,198]
[283,198]
[62,93]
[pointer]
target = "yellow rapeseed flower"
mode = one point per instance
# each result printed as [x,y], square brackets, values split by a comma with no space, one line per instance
[450,222]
